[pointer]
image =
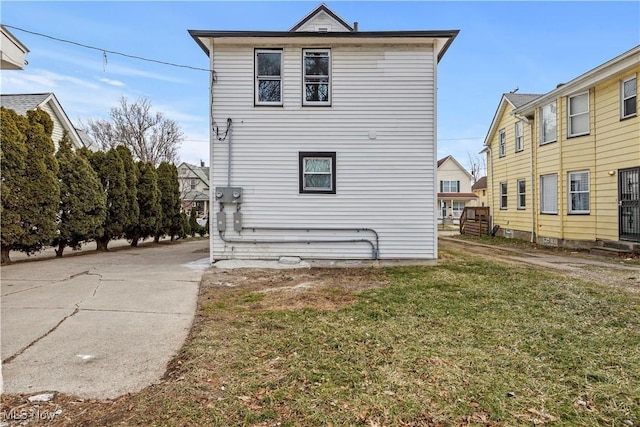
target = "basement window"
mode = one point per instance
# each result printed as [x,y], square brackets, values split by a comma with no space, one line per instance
[317,172]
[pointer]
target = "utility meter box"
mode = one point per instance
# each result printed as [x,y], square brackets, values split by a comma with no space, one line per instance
[228,194]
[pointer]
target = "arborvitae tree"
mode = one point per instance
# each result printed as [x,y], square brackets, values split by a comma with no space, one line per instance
[186,227]
[169,186]
[110,170]
[41,190]
[82,199]
[148,202]
[193,224]
[13,153]
[131,178]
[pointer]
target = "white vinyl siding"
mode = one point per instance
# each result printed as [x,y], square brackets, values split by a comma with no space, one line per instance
[502,143]
[628,97]
[522,194]
[549,194]
[578,192]
[548,122]
[519,136]
[578,110]
[384,140]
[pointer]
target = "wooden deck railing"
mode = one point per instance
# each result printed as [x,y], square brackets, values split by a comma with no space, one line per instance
[475,221]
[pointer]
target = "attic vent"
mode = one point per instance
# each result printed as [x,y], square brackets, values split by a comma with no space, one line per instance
[323,29]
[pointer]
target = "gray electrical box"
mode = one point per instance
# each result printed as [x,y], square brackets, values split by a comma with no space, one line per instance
[237,221]
[228,194]
[221,221]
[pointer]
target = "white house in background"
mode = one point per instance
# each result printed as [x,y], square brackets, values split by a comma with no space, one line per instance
[21,103]
[12,51]
[324,141]
[194,188]
[454,189]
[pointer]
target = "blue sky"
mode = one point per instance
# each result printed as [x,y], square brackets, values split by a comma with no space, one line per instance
[502,45]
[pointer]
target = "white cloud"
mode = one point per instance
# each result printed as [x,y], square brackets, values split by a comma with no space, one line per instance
[111,82]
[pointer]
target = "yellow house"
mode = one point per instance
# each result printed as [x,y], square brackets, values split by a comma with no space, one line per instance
[564,167]
[480,190]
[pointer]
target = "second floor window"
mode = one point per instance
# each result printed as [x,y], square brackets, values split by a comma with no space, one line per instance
[449,186]
[317,77]
[519,137]
[193,183]
[628,107]
[578,107]
[502,144]
[548,123]
[268,77]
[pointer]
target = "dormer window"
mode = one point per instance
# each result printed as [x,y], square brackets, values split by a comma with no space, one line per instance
[317,76]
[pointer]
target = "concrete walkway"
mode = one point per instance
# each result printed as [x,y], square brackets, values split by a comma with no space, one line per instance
[98,325]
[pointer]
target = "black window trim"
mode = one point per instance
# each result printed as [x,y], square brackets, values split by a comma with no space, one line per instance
[301,156]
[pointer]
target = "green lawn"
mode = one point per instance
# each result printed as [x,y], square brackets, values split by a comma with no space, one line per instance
[469,342]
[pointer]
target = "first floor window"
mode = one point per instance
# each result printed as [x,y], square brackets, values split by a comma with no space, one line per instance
[628,98]
[579,192]
[549,194]
[317,172]
[458,207]
[502,144]
[317,77]
[268,70]
[503,195]
[519,137]
[578,107]
[522,194]
[548,123]
[449,186]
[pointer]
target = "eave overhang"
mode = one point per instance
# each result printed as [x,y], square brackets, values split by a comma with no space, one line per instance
[441,39]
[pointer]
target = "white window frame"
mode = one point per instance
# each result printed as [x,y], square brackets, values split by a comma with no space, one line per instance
[570,192]
[259,78]
[504,197]
[310,79]
[571,115]
[456,213]
[303,157]
[543,122]
[502,143]
[548,205]
[522,195]
[623,99]
[519,132]
[449,184]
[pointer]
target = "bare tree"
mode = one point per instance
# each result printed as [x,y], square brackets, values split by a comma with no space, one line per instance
[151,137]
[477,166]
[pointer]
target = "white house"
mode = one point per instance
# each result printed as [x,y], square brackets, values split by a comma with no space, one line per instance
[323,141]
[454,189]
[21,103]
[194,188]
[12,51]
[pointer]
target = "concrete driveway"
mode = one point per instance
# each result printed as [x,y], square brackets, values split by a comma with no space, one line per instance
[98,325]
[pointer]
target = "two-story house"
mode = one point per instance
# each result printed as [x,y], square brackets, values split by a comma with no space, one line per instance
[324,140]
[454,189]
[564,167]
[194,188]
[480,190]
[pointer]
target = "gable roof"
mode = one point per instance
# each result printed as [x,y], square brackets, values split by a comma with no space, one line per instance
[514,100]
[480,184]
[441,39]
[12,51]
[444,159]
[201,172]
[21,103]
[619,64]
[318,10]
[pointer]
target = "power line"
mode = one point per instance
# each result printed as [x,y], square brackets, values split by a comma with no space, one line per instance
[105,51]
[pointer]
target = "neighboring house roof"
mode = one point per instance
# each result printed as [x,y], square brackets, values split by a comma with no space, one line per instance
[461,196]
[201,172]
[453,159]
[589,79]
[512,100]
[322,8]
[85,137]
[441,39]
[12,51]
[21,103]
[481,184]
[195,196]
